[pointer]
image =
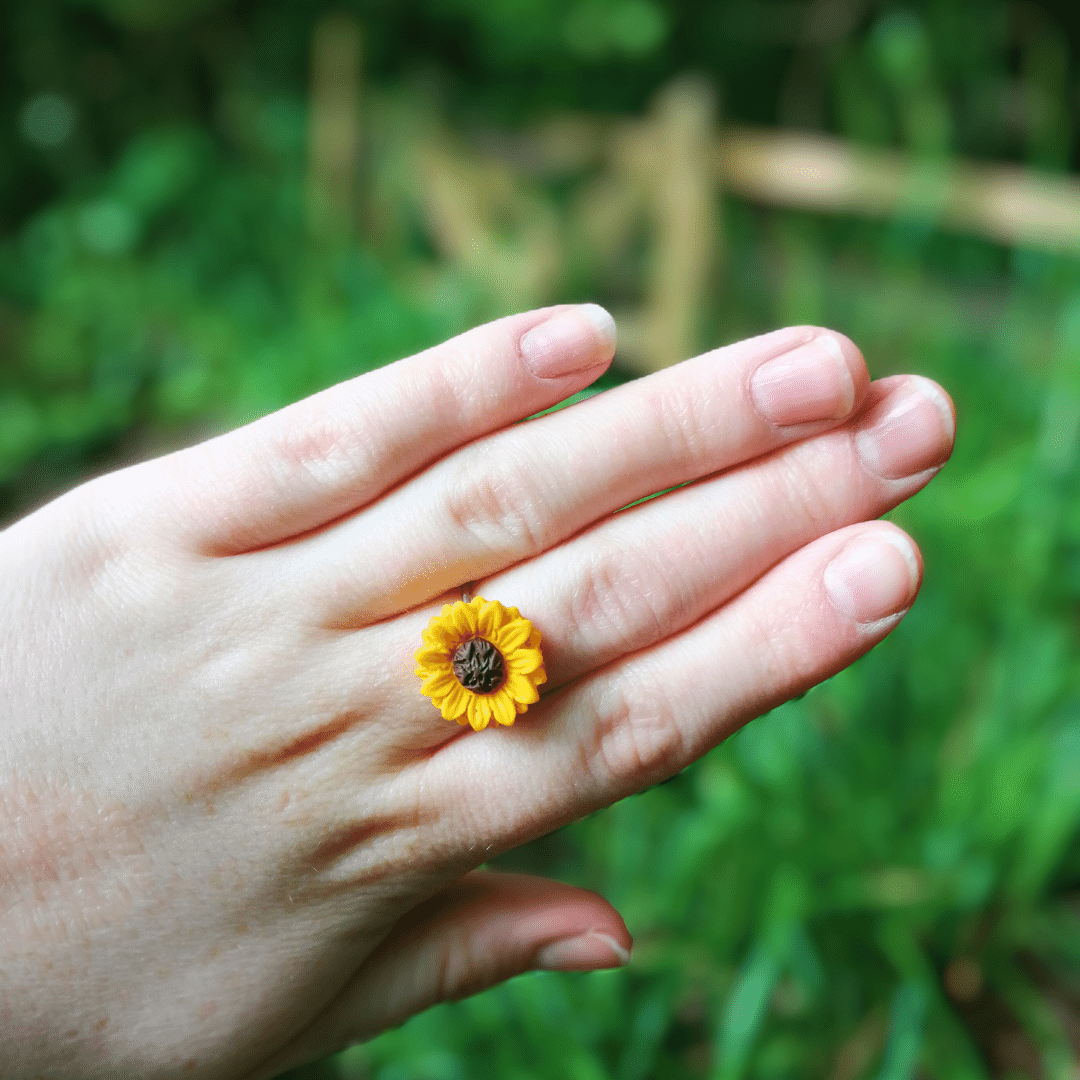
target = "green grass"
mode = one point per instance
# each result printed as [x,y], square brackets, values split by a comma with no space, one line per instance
[799,897]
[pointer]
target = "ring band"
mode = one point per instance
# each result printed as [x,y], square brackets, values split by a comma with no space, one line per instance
[480,662]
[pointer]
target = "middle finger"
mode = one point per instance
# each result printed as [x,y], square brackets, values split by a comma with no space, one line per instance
[513,495]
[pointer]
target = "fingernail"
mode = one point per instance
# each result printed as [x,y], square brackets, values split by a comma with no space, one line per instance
[910,431]
[812,382]
[588,952]
[571,341]
[873,577]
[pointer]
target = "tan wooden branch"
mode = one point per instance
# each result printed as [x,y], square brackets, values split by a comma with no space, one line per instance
[468,202]
[1006,204]
[657,178]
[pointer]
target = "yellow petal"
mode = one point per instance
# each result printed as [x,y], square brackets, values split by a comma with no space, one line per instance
[433,656]
[521,689]
[503,708]
[524,661]
[464,620]
[490,618]
[453,706]
[479,712]
[440,633]
[438,684]
[512,636]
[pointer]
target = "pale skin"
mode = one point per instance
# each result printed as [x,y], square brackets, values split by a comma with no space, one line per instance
[234,836]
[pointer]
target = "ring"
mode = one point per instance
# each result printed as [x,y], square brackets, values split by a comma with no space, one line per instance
[480,662]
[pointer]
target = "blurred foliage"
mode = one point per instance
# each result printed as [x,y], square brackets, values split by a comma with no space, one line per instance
[881,879]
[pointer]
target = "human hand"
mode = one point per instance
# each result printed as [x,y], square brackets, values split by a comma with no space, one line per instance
[234,836]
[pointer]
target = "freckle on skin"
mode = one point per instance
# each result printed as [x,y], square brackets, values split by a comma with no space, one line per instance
[102,1024]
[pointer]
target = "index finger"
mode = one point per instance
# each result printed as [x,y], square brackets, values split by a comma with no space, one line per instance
[329,454]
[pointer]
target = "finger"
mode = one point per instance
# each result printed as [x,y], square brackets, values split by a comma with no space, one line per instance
[482,930]
[323,457]
[638,721]
[521,491]
[657,568]
[645,574]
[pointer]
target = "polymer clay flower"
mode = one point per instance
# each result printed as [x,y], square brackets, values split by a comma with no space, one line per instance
[480,661]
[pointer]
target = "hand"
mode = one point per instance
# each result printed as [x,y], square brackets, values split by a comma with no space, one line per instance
[235,837]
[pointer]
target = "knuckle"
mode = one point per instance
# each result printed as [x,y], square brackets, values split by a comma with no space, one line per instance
[317,443]
[447,378]
[766,636]
[786,652]
[460,973]
[623,600]
[496,506]
[457,377]
[682,422]
[808,485]
[632,740]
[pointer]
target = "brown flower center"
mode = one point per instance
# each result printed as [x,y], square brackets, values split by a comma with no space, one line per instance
[479,666]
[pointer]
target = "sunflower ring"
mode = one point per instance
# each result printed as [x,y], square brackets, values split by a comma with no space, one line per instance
[480,662]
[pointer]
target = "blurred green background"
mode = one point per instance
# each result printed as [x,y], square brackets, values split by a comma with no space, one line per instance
[209,208]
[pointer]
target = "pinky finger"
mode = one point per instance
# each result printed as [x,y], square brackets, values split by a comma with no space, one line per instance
[639,721]
[479,931]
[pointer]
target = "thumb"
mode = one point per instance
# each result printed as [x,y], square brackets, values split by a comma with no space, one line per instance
[480,931]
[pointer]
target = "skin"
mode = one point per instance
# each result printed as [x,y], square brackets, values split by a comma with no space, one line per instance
[234,837]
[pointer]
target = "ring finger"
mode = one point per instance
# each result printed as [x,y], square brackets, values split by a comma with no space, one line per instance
[639,721]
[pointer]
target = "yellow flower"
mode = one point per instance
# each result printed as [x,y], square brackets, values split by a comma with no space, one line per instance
[480,661]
